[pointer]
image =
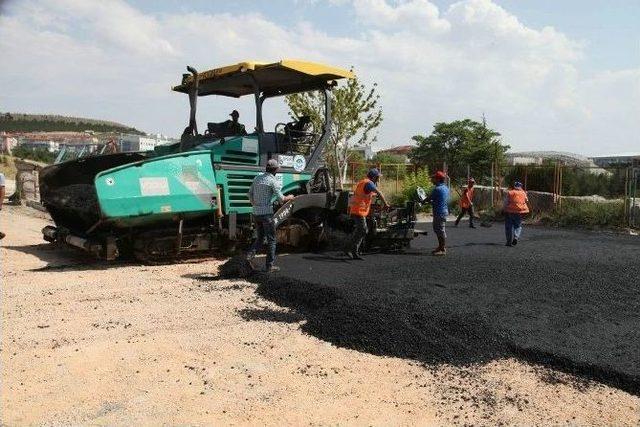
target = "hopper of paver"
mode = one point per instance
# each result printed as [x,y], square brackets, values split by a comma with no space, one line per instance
[68,192]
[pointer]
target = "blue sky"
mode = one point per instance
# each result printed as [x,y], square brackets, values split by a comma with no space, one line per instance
[561,75]
[610,29]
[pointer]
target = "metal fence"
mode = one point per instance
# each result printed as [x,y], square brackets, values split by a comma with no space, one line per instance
[568,194]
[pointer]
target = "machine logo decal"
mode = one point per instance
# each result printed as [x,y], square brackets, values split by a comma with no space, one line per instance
[299,163]
[285,161]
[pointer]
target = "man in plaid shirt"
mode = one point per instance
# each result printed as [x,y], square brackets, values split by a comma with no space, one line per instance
[261,194]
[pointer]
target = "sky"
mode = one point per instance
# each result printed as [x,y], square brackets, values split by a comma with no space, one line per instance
[546,74]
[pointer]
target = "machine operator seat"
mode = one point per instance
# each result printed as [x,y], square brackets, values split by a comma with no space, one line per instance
[226,128]
[298,136]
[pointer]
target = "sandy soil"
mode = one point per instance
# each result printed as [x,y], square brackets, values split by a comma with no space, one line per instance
[85,342]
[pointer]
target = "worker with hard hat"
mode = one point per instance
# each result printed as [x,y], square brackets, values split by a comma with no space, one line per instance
[515,207]
[359,208]
[466,203]
[439,199]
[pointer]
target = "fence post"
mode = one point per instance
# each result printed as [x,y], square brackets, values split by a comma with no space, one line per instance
[627,199]
[353,173]
[397,177]
[492,184]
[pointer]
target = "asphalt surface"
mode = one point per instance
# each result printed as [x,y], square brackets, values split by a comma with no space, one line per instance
[568,300]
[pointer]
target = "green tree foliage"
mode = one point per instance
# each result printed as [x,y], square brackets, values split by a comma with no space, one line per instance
[392,166]
[576,181]
[458,144]
[356,117]
[420,178]
[13,122]
[38,154]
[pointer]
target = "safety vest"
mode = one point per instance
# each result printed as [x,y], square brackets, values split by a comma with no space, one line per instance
[467,198]
[517,202]
[361,201]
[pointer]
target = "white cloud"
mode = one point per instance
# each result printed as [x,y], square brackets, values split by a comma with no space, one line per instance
[110,60]
[418,15]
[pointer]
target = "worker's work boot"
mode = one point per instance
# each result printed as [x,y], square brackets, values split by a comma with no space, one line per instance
[439,252]
[514,242]
[272,269]
[356,256]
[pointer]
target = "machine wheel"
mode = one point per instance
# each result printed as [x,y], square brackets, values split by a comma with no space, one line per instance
[294,233]
[154,248]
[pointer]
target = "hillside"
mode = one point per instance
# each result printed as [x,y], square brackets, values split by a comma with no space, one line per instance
[17,122]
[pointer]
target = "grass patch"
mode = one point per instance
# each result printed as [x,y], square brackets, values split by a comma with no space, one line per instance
[588,214]
[7,166]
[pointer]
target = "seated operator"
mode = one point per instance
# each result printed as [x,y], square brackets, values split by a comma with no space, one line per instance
[233,126]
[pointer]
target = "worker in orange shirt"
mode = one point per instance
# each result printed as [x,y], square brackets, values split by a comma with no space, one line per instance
[466,203]
[359,210]
[515,207]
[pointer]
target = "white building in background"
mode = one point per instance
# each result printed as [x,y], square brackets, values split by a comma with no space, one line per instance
[622,159]
[130,142]
[7,142]
[50,146]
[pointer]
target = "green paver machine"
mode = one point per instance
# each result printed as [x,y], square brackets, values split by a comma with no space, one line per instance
[192,196]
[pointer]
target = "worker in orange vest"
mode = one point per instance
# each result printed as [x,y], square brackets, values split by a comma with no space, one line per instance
[515,207]
[466,203]
[359,208]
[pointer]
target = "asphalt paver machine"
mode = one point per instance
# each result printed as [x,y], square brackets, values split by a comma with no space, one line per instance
[191,197]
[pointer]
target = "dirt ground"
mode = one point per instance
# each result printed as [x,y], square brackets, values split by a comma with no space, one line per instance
[87,342]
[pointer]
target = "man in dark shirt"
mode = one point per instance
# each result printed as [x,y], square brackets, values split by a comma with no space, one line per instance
[233,126]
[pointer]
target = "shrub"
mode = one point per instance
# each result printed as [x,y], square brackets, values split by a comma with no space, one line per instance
[411,182]
[582,213]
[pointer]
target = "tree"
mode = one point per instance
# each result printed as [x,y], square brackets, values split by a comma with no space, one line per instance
[396,168]
[458,144]
[356,116]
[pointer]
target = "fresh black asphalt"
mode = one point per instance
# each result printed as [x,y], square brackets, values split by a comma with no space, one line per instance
[565,299]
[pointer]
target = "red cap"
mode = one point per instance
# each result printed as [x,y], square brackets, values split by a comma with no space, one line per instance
[439,175]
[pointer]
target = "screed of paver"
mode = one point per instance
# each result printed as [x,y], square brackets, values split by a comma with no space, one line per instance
[85,342]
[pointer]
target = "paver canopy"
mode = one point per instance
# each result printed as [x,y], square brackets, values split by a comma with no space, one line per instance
[278,78]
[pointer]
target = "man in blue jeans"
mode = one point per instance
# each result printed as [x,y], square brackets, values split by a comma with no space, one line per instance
[516,205]
[439,200]
[263,190]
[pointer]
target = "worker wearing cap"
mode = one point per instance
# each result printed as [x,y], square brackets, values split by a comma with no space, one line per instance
[263,190]
[234,127]
[359,208]
[439,199]
[515,207]
[466,203]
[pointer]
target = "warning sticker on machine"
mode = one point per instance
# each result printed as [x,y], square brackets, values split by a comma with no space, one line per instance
[157,186]
[249,145]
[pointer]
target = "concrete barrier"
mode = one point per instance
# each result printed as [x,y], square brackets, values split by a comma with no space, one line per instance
[26,181]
